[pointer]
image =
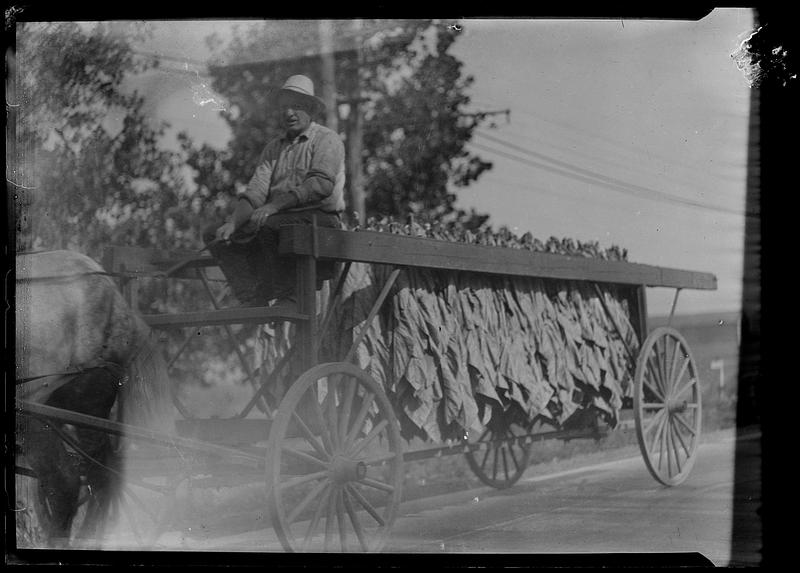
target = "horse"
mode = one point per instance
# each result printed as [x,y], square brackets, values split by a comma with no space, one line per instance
[81,347]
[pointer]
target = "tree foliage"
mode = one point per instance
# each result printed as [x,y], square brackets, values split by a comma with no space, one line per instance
[91,169]
[92,154]
[415,127]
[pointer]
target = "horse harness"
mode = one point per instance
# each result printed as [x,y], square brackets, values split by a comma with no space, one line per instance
[35,383]
[116,369]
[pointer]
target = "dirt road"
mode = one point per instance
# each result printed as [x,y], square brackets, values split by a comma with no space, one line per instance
[600,508]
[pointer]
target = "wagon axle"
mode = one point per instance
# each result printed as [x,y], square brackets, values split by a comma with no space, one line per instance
[675,406]
[343,470]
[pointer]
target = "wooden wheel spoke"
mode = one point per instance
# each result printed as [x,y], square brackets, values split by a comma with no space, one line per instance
[484,434]
[668,445]
[139,502]
[359,421]
[683,423]
[310,437]
[379,460]
[679,377]
[662,347]
[652,384]
[683,389]
[134,526]
[662,443]
[657,418]
[675,450]
[513,458]
[662,439]
[680,439]
[340,518]
[323,503]
[655,372]
[304,456]
[357,528]
[310,496]
[369,438]
[349,396]
[652,405]
[138,529]
[331,509]
[652,443]
[362,501]
[333,415]
[677,351]
[294,482]
[501,442]
[488,447]
[377,484]
[495,460]
[323,423]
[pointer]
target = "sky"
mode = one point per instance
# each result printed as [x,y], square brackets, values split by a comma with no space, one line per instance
[629,132]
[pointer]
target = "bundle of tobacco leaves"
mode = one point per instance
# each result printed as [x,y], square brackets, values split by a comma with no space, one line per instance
[453,349]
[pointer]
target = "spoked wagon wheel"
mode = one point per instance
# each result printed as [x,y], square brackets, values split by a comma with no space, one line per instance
[502,456]
[667,407]
[143,512]
[335,462]
[135,516]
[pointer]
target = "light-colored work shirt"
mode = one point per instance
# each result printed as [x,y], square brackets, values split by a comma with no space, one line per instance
[307,172]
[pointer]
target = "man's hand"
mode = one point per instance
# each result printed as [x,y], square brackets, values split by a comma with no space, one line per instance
[259,216]
[225,231]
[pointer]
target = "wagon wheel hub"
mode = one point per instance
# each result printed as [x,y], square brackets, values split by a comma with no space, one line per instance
[677,406]
[343,470]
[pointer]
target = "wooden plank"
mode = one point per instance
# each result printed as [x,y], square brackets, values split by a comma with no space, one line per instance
[136,432]
[239,315]
[307,304]
[401,250]
[641,313]
[521,439]
[137,260]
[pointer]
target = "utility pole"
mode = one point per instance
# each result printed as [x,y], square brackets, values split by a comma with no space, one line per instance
[355,135]
[328,87]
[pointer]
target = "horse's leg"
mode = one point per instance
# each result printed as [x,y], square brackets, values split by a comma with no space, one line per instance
[93,393]
[58,481]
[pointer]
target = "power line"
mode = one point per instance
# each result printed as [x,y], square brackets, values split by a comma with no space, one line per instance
[641,193]
[628,163]
[621,146]
[544,190]
[571,170]
[308,45]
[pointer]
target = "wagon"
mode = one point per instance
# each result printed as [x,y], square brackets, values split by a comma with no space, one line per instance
[330,449]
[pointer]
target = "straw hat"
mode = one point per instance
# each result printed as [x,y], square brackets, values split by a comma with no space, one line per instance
[303,86]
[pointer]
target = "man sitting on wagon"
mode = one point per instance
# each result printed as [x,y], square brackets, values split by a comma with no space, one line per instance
[299,176]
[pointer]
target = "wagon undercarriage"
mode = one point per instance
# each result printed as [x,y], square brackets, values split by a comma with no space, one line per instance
[328,444]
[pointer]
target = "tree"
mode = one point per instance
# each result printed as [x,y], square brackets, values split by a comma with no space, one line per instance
[415,131]
[98,174]
[90,171]
[415,128]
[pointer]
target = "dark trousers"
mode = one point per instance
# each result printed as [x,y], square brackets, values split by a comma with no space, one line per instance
[255,271]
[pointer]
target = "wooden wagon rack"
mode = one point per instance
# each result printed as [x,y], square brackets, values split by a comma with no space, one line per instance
[315,473]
